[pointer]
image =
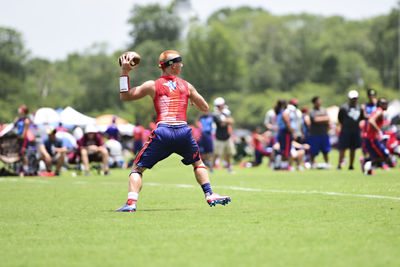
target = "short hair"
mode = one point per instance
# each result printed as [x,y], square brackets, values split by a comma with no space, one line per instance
[164,56]
[314,99]
[371,91]
[382,101]
[24,109]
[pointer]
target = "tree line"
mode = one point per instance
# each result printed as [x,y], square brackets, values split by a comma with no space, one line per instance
[246,55]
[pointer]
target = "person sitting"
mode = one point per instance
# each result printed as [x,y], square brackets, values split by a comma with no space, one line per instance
[91,148]
[52,151]
[115,159]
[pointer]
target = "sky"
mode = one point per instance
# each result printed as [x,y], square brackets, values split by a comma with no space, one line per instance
[52,29]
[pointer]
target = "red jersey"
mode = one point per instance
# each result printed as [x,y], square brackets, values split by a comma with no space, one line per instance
[171,99]
[371,133]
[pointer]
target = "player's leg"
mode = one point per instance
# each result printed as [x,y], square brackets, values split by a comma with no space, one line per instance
[201,174]
[104,158]
[60,162]
[85,159]
[134,187]
[151,153]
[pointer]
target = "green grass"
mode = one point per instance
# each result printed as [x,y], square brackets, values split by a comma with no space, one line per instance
[283,219]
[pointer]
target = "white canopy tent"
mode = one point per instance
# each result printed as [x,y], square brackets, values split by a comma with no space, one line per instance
[46,116]
[70,116]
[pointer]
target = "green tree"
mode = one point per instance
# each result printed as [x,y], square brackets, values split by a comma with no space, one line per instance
[213,61]
[385,55]
[154,22]
[12,72]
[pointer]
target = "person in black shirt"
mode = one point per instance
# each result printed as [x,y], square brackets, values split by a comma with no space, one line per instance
[350,115]
[224,147]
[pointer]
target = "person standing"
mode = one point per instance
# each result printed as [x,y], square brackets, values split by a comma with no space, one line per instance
[170,96]
[224,146]
[367,109]
[22,124]
[206,142]
[112,130]
[297,116]
[318,137]
[270,119]
[349,117]
[286,134]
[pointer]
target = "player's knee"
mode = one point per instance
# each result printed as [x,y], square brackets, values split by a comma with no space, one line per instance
[137,169]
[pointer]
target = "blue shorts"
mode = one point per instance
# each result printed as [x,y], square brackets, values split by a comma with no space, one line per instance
[285,142]
[206,143]
[349,140]
[319,143]
[165,140]
[376,148]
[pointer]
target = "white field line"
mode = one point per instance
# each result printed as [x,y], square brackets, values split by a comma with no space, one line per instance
[235,188]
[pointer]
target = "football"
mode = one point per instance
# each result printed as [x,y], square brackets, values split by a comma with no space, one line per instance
[135,58]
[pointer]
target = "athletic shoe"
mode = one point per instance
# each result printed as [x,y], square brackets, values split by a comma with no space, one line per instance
[385,166]
[368,168]
[215,199]
[127,207]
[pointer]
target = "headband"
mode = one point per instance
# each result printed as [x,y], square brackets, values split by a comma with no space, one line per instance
[169,62]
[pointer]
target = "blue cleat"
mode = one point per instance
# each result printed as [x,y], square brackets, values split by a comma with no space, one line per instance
[127,208]
[215,199]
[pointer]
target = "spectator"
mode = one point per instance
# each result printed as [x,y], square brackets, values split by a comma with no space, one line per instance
[319,138]
[350,115]
[61,128]
[52,151]
[371,105]
[379,154]
[112,130]
[262,144]
[286,134]
[114,148]
[297,116]
[137,138]
[224,147]
[367,108]
[91,148]
[22,124]
[298,153]
[206,143]
[270,119]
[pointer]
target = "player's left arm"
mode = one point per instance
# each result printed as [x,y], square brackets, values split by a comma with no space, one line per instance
[196,99]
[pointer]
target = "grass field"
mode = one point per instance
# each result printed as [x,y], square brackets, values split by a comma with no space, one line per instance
[310,218]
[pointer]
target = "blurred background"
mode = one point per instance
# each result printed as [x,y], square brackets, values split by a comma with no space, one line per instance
[60,54]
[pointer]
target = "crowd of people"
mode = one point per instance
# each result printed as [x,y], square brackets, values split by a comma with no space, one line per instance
[294,137]
[291,139]
[43,149]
